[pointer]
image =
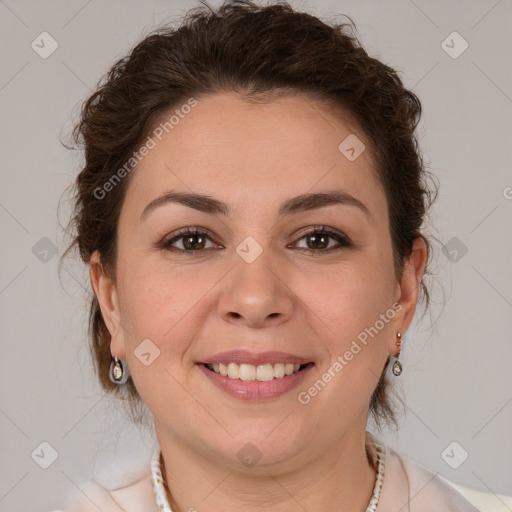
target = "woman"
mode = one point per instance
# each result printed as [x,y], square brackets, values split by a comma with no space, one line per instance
[251,208]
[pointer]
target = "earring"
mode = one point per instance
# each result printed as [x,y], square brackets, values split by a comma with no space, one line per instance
[397,365]
[118,372]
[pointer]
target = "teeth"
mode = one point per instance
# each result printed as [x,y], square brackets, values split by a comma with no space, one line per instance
[279,371]
[261,373]
[265,372]
[246,372]
[233,371]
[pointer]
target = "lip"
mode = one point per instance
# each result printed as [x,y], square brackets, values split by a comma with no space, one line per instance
[246,357]
[255,390]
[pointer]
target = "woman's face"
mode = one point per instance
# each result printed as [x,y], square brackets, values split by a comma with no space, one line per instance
[255,279]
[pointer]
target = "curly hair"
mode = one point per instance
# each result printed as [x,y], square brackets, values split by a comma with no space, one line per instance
[259,52]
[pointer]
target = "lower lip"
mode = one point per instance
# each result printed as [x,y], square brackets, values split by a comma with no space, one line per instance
[256,390]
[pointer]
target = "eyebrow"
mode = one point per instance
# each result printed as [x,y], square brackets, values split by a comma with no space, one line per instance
[208,204]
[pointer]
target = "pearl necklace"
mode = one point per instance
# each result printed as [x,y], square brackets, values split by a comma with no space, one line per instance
[375,447]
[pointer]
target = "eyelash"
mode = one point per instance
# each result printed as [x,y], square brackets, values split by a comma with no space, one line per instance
[344,241]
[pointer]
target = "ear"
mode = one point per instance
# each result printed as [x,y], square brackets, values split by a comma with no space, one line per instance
[408,288]
[106,293]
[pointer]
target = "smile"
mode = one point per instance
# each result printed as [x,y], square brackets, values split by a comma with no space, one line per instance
[255,382]
[250,372]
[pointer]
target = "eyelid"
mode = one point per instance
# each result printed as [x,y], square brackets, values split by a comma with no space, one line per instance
[321,228]
[189,229]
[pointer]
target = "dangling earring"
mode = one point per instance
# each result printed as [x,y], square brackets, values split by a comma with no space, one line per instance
[397,365]
[118,372]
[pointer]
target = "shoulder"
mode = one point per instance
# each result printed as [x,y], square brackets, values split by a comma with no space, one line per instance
[134,496]
[408,486]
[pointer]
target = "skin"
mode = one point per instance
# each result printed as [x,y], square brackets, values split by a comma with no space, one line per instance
[311,304]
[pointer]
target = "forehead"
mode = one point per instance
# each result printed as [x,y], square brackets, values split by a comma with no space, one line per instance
[244,153]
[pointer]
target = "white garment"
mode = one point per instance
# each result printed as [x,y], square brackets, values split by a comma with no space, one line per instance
[407,487]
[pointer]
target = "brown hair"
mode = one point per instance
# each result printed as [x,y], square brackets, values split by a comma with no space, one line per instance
[258,52]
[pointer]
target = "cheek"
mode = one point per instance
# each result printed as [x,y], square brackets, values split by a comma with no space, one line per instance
[155,295]
[162,304]
[354,311]
[160,320]
[357,327]
[352,297]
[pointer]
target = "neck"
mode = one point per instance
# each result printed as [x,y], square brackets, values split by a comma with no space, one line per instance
[341,479]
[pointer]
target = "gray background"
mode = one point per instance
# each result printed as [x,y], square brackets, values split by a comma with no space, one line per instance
[457,380]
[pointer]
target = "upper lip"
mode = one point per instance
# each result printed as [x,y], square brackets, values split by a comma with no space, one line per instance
[246,357]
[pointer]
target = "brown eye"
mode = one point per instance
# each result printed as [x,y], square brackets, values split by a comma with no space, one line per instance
[187,240]
[318,240]
[194,241]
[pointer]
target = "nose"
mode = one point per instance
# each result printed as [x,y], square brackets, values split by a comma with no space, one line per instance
[256,294]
